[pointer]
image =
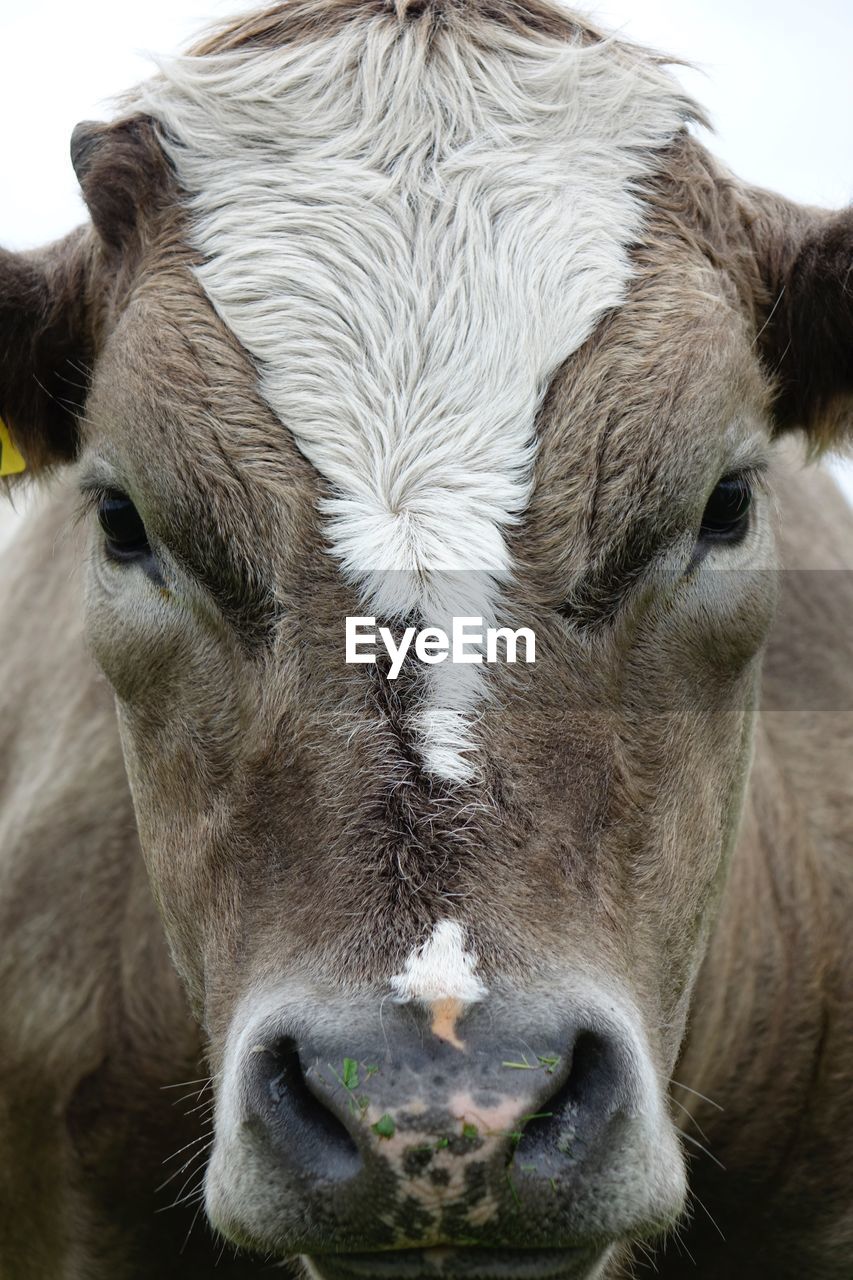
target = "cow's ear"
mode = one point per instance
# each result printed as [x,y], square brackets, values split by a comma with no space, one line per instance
[806,319]
[55,303]
[45,351]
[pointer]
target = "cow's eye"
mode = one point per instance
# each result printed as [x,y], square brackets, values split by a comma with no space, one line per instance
[726,514]
[122,525]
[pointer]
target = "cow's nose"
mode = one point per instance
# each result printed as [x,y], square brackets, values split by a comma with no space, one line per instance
[430,1137]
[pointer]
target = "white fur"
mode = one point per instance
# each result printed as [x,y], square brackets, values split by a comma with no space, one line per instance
[410,240]
[440,969]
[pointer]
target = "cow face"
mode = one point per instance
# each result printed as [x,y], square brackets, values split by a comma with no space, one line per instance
[349,355]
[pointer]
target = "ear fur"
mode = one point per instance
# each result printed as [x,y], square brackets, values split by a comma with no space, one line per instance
[804,260]
[53,302]
[46,346]
[808,340]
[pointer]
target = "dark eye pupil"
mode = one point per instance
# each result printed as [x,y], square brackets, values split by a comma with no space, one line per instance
[726,512]
[122,524]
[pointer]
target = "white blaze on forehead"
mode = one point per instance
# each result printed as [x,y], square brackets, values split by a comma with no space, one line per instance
[410,237]
[440,969]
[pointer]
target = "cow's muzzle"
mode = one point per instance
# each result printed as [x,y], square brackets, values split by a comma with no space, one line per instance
[458,1137]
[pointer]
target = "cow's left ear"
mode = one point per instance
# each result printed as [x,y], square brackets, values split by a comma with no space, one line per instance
[805,259]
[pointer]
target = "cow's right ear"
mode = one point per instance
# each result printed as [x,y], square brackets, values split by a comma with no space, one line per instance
[46,343]
[55,303]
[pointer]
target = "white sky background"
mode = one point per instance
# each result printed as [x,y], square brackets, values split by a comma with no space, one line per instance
[775,75]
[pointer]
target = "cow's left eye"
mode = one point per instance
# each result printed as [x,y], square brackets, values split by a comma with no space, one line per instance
[726,514]
[122,525]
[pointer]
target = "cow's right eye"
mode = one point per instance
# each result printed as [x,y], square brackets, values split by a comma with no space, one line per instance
[123,528]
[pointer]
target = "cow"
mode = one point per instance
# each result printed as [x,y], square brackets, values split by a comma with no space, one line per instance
[413,313]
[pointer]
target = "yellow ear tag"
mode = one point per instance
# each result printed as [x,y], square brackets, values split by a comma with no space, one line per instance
[11,461]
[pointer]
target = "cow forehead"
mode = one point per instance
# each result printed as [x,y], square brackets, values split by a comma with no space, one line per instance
[410,236]
[409,239]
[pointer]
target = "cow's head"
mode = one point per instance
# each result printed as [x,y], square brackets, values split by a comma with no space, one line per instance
[419,315]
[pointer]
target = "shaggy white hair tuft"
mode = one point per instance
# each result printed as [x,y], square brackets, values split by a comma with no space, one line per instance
[410,236]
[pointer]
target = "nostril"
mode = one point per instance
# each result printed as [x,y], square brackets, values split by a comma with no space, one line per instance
[581,1106]
[286,1081]
[292,1116]
[594,1075]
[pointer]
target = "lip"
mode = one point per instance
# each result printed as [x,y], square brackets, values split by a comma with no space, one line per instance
[458,1264]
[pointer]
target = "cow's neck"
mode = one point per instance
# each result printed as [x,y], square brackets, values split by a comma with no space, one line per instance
[760,1026]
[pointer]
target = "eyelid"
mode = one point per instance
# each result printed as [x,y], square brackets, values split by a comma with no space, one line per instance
[752,474]
[92,491]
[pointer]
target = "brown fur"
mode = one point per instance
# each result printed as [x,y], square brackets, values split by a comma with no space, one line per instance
[791,266]
[305,20]
[47,345]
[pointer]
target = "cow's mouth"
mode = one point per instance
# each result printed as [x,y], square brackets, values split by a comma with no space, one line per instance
[464,1264]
